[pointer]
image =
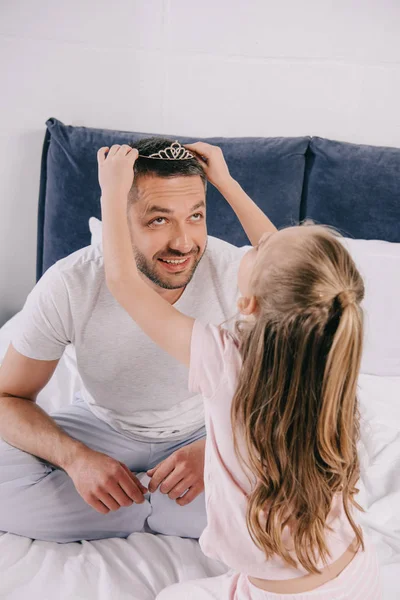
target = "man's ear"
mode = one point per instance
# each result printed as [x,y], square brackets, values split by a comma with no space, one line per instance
[247,306]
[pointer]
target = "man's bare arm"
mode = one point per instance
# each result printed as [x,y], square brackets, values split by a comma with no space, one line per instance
[103,482]
[23,423]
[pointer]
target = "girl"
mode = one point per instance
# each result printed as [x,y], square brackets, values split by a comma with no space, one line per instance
[280,400]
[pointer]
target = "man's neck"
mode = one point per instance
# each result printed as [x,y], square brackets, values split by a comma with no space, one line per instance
[170,296]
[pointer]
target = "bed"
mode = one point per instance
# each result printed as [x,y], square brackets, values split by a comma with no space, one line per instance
[354,188]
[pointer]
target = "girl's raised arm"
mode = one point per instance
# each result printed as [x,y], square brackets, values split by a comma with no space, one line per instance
[166,326]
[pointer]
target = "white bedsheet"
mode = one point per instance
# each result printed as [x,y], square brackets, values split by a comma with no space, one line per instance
[140,566]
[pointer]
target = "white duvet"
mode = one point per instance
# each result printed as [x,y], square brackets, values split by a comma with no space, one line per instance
[140,566]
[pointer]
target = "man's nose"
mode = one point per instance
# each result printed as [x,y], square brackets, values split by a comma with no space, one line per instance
[181,241]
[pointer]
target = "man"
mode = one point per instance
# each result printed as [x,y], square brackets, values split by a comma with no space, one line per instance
[71,475]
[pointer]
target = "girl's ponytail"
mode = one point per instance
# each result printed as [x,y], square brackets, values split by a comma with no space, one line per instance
[338,426]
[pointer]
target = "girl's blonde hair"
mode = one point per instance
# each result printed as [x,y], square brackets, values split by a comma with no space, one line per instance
[295,404]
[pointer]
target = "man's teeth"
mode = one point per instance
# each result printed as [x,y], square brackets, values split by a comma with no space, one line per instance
[175,262]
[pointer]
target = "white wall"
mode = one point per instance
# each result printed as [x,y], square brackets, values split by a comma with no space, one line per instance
[215,67]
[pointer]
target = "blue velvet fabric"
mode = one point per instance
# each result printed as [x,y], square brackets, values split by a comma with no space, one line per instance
[271,170]
[355,188]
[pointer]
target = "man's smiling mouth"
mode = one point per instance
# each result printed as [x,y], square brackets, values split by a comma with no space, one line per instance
[175,265]
[174,261]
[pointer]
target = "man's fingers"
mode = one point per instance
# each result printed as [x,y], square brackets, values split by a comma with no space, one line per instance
[132,486]
[133,477]
[132,491]
[99,506]
[120,496]
[179,489]
[174,479]
[190,495]
[161,472]
[108,501]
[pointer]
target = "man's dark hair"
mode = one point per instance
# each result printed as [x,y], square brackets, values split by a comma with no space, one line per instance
[151,167]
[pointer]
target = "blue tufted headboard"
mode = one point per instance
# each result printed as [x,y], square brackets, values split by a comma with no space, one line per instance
[354,188]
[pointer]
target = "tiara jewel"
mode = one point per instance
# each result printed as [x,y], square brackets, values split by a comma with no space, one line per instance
[173,152]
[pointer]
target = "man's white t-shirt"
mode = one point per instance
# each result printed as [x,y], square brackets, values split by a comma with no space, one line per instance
[127,380]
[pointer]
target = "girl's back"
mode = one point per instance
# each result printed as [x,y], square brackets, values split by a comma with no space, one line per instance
[214,370]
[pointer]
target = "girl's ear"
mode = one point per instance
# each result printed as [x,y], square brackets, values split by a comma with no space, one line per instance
[247,306]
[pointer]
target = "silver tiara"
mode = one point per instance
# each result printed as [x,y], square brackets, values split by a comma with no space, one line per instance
[174,152]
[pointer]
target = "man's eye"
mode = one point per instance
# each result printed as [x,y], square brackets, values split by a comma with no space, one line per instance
[158,221]
[197,217]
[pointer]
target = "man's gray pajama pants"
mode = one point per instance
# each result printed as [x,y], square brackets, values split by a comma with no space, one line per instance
[40,501]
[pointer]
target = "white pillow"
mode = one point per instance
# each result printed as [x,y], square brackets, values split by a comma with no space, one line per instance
[95,227]
[379,265]
[379,400]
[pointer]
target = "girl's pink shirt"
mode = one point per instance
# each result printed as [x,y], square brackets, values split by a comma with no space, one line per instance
[215,363]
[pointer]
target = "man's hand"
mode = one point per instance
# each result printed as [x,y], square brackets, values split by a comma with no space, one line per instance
[183,470]
[103,482]
[116,170]
[213,162]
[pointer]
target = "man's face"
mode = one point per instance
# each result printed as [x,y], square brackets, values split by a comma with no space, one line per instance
[167,223]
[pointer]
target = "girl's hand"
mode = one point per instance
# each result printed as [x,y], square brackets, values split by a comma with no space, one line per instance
[116,170]
[213,162]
